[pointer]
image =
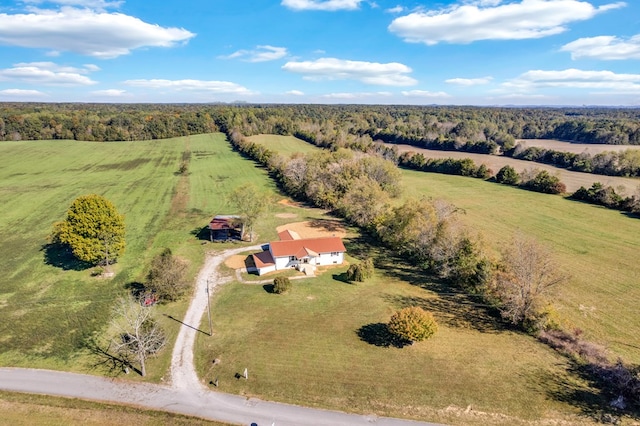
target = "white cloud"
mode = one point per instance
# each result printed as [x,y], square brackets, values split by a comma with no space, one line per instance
[604,81]
[47,73]
[329,5]
[396,9]
[492,20]
[109,92]
[389,74]
[198,85]
[260,54]
[425,94]
[90,4]
[21,93]
[604,48]
[469,81]
[99,34]
[295,93]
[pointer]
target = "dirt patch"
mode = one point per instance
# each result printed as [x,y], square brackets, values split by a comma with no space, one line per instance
[316,228]
[237,261]
[287,202]
[286,215]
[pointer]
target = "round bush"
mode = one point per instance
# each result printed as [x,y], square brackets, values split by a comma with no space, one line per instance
[281,285]
[413,324]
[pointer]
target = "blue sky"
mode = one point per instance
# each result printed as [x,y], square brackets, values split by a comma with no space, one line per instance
[471,52]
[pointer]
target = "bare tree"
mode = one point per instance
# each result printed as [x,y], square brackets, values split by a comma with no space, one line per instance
[136,333]
[527,273]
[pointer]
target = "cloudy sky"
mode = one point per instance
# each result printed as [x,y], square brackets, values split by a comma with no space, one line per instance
[473,52]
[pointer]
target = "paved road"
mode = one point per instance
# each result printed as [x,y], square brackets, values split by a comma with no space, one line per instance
[185,394]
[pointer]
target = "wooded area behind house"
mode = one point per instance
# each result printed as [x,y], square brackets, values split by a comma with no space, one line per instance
[474,129]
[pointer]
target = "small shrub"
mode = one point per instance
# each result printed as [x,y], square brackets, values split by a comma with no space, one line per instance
[281,285]
[361,271]
[413,324]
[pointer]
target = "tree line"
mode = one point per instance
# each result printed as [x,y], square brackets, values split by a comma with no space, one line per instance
[472,129]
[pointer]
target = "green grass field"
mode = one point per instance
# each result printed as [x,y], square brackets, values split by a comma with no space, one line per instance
[49,307]
[596,246]
[322,345]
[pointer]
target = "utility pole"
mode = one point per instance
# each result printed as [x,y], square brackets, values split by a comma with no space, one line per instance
[209,310]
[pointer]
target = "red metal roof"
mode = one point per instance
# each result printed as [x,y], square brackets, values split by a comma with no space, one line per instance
[307,246]
[219,223]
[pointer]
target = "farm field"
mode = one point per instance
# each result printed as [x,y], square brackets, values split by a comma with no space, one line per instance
[573,180]
[576,148]
[50,306]
[596,246]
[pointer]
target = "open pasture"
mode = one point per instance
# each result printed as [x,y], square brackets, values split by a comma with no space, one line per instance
[51,304]
[596,246]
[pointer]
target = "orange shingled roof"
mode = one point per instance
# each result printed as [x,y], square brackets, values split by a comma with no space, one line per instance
[307,246]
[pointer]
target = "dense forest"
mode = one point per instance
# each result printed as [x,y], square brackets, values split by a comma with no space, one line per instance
[474,129]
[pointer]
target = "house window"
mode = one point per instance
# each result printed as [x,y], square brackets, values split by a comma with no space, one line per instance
[334,253]
[292,258]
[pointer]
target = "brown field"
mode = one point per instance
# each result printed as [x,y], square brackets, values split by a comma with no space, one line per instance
[317,228]
[573,180]
[576,148]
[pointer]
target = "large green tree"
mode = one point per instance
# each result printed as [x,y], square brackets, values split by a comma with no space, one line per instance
[251,204]
[93,229]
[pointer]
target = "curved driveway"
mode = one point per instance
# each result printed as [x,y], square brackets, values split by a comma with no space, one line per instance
[186,394]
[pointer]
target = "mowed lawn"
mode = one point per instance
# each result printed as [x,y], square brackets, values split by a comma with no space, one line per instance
[597,247]
[285,145]
[323,345]
[49,306]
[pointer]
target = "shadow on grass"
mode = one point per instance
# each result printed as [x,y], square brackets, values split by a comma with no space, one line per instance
[269,288]
[202,234]
[342,277]
[61,256]
[114,365]
[136,289]
[450,305]
[455,310]
[378,334]
[591,395]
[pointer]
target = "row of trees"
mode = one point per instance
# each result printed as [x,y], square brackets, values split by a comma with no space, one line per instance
[476,129]
[621,163]
[429,232]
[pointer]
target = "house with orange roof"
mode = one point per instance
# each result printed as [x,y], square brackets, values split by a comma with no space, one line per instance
[304,254]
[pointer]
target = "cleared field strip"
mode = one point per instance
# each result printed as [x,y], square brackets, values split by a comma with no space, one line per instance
[576,148]
[573,180]
[285,145]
